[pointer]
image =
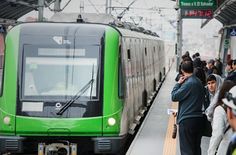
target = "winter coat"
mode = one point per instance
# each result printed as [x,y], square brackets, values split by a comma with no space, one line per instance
[220,138]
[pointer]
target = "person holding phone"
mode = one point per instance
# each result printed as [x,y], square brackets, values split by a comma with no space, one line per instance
[189,93]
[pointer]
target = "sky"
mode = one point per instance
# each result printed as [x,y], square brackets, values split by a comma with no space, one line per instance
[156,15]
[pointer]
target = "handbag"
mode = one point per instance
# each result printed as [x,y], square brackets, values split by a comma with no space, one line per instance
[207,130]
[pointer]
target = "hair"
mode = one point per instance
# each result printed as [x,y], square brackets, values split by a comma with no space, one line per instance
[234,62]
[184,57]
[226,86]
[211,77]
[187,53]
[211,61]
[197,54]
[229,63]
[187,66]
[200,74]
[204,62]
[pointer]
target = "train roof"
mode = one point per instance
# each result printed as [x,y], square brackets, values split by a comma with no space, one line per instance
[88,29]
[135,34]
[125,28]
[70,29]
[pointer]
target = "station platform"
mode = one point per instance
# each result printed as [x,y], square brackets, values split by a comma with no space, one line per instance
[155,134]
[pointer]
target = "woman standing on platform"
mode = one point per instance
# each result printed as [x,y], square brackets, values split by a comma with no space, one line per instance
[221,131]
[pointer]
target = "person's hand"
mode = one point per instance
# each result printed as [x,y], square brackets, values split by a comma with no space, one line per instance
[182,79]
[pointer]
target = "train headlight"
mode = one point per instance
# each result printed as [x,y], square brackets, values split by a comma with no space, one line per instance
[7,120]
[111,121]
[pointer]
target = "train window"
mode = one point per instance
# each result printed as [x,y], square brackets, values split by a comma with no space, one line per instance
[2,47]
[121,77]
[128,54]
[52,75]
[145,51]
[154,49]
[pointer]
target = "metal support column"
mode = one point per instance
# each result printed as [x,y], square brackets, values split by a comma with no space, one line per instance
[81,6]
[224,47]
[40,9]
[108,6]
[179,39]
[57,6]
[106,11]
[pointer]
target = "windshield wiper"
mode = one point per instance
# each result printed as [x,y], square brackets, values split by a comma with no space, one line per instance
[76,97]
[91,90]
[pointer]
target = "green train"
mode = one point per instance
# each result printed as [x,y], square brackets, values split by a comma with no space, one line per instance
[67,86]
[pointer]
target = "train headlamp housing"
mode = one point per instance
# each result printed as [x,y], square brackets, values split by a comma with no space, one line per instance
[7,120]
[111,121]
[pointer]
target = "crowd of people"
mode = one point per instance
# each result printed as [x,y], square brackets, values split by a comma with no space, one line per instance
[206,92]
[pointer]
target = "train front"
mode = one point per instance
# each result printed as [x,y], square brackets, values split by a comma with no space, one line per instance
[55,98]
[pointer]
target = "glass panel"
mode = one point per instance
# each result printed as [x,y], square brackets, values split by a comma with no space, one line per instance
[2,48]
[60,73]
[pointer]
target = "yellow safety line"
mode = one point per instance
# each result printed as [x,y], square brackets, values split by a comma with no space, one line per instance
[170,143]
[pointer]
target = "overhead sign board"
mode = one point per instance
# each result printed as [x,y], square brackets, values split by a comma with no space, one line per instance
[203,14]
[197,4]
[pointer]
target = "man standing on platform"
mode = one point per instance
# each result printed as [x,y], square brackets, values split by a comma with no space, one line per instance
[189,92]
[232,76]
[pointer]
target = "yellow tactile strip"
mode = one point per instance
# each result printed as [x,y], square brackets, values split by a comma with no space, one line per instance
[170,143]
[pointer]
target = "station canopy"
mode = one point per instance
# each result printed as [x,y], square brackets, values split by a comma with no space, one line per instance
[226,13]
[14,9]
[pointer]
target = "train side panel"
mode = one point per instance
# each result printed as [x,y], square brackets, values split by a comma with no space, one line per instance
[9,90]
[112,102]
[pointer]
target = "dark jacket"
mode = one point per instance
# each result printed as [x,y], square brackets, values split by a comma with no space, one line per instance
[213,70]
[232,77]
[197,63]
[190,96]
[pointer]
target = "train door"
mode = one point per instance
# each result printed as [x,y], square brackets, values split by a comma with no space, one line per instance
[125,119]
[129,78]
[139,74]
[134,82]
[159,61]
[144,68]
[162,59]
[136,91]
[148,68]
[153,65]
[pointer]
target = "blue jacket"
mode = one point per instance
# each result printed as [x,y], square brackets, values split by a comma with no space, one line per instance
[190,96]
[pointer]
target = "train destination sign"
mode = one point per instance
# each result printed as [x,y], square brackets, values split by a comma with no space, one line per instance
[203,14]
[197,4]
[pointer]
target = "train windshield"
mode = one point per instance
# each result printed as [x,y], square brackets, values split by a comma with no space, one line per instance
[54,73]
